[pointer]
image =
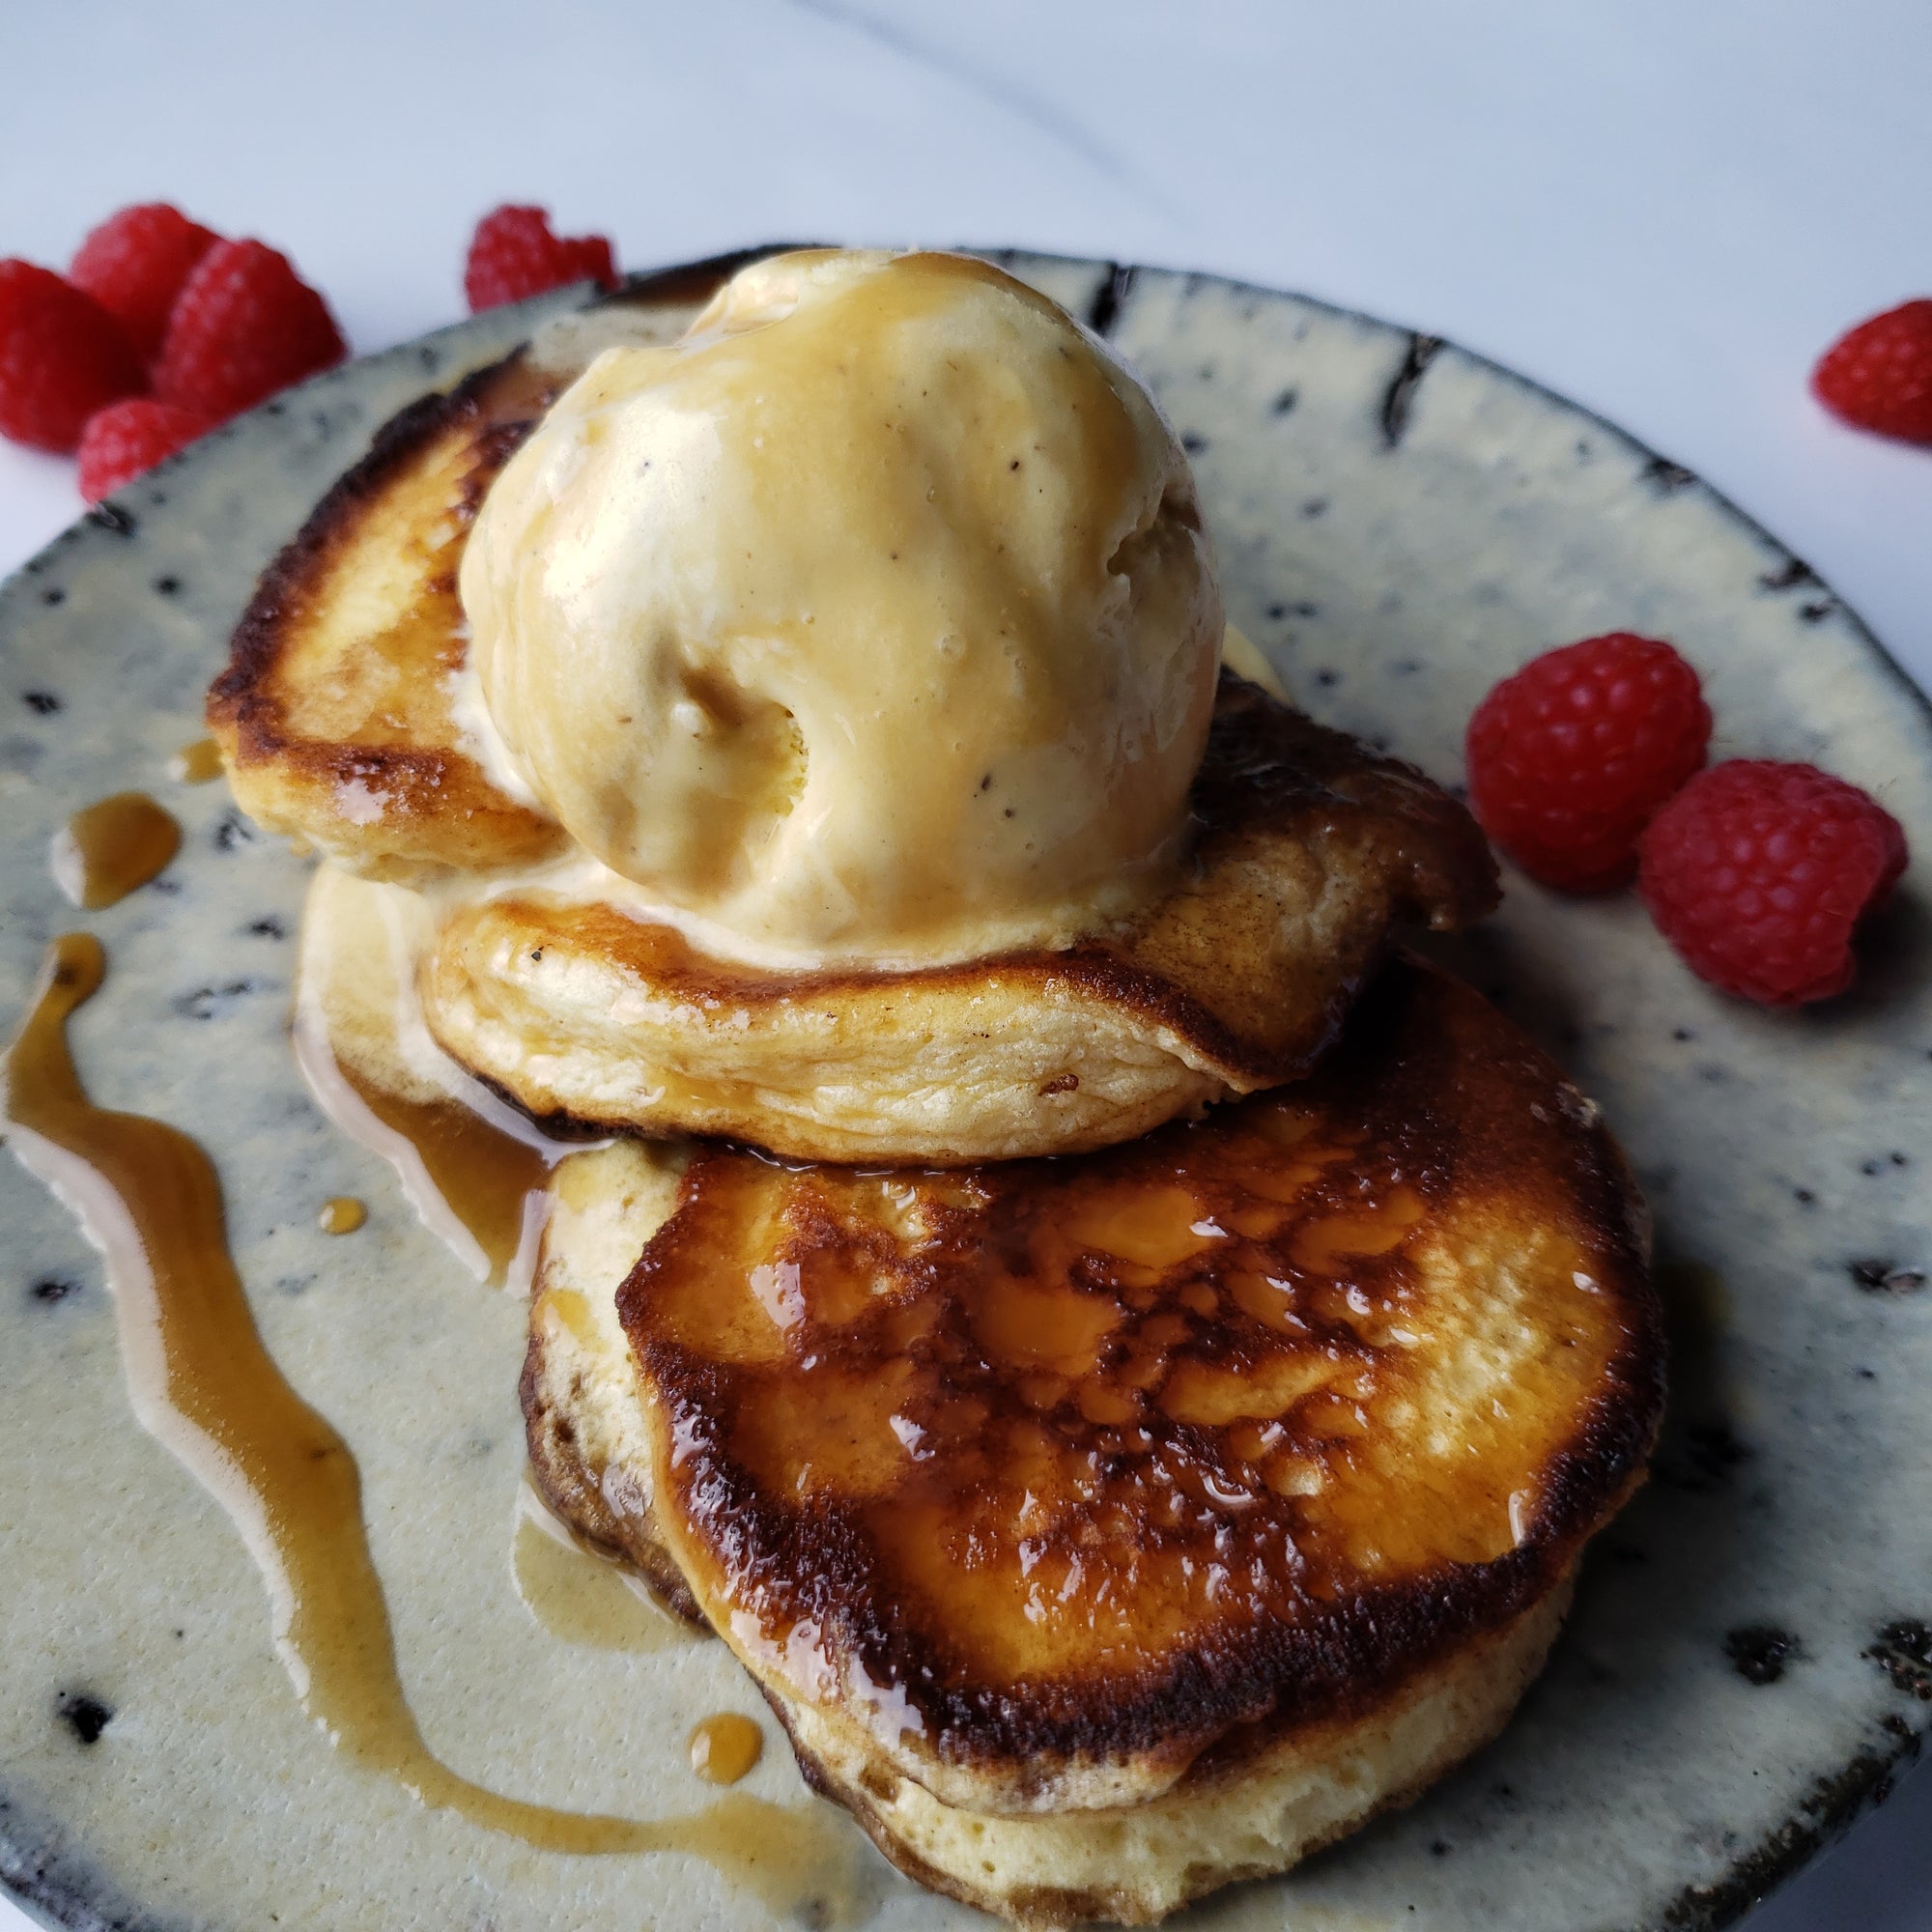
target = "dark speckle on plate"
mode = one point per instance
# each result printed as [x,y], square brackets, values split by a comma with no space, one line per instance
[1877,1276]
[1788,576]
[85,1716]
[1760,1652]
[213,1002]
[110,516]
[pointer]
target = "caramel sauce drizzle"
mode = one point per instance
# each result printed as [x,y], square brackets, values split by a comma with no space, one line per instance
[196,764]
[481,1174]
[109,848]
[724,1747]
[202,1384]
[342,1215]
[582,1597]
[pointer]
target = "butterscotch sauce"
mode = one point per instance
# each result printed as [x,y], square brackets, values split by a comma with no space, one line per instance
[342,1215]
[473,1170]
[109,848]
[724,1747]
[483,1177]
[581,1597]
[201,1381]
[196,764]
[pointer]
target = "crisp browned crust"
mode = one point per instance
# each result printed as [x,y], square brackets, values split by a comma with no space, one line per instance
[1312,850]
[578,1495]
[1518,1261]
[334,713]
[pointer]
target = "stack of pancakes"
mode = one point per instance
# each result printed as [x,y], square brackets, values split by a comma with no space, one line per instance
[1168,1437]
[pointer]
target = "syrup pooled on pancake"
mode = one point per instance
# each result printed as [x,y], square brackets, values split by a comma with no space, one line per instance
[1066,1508]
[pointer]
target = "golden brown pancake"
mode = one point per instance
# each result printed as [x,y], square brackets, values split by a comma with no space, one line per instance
[1106,1529]
[334,715]
[337,718]
[1310,851]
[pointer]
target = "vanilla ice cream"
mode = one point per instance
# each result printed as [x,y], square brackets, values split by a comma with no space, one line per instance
[871,621]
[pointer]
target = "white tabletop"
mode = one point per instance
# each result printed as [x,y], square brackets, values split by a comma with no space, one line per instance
[1664,211]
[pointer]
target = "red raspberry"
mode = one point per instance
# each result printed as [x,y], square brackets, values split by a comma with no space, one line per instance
[135,264]
[245,325]
[1757,872]
[1879,376]
[514,255]
[62,356]
[128,438]
[1568,759]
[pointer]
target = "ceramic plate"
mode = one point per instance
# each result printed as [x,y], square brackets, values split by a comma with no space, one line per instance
[1398,524]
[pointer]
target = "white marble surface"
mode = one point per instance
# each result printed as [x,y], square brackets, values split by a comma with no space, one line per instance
[1665,213]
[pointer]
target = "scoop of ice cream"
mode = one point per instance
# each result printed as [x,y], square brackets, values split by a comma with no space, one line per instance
[872,620]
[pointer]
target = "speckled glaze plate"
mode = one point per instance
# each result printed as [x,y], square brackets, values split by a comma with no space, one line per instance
[1398,524]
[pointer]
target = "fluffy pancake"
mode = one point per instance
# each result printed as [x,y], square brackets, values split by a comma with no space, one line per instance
[346,719]
[1103,1530]
[1310,849]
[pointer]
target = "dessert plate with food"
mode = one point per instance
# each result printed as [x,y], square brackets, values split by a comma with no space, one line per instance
[833,1147]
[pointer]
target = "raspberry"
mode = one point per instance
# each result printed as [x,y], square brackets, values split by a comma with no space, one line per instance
[245,325]
[1758,872]
[1568,759]
[513,255]
[1879,375]
[62,356]
[129,436]
[135,264]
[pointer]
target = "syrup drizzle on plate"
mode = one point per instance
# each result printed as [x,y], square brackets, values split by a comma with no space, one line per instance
[202,1384]
[196,764]
[726,1746]
[472,1169]
[109,848]
[580,1595]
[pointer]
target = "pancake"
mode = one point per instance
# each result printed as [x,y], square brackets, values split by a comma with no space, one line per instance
[1311,851]
[347,719]
[1105,1530]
